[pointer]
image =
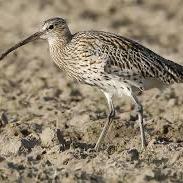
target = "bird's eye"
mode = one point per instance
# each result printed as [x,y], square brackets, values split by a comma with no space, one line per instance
[51,27]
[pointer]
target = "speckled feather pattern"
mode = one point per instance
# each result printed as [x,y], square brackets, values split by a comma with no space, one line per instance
[112,62]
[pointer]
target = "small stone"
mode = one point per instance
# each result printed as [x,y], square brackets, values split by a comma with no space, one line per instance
[10,146]
[111,149]
[4,119]
[47,137]
[134,154]
[165,129]
[171,102]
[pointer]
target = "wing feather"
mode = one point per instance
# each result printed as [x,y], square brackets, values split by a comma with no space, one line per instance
[126,57]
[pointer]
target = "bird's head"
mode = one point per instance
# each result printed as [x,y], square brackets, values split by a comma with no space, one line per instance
[52,29]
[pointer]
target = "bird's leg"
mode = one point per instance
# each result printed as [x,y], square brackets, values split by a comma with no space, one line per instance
[139,110]
[108,122]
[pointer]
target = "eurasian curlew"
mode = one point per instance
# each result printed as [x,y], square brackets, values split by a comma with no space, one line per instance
[114,64]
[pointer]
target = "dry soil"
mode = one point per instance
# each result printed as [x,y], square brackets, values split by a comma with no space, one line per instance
[49,124]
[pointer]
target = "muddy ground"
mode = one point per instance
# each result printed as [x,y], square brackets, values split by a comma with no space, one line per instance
[49,123]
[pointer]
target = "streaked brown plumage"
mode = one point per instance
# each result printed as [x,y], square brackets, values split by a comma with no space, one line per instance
[114,64]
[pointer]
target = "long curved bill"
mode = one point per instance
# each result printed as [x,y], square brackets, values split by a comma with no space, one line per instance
[21,43]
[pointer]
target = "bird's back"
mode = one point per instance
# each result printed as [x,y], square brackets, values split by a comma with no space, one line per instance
[125,57]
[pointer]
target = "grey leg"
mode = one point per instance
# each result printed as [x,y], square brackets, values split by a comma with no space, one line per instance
[108,123]
[139,110]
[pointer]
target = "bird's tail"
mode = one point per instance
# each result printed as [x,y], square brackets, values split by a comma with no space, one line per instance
[173,72]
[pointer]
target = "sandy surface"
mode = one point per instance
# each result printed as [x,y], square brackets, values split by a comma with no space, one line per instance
[49,123]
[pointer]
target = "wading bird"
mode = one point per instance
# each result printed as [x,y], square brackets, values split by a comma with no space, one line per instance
[114,64]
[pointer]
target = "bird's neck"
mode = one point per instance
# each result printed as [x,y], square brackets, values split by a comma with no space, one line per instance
[58,46]
[57,49]
[60,39]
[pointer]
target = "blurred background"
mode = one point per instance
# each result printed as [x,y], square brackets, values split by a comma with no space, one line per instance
[48,123]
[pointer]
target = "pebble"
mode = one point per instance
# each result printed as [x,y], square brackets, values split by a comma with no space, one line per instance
[47,137]
[133,154]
